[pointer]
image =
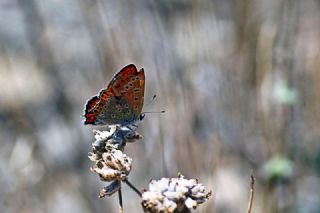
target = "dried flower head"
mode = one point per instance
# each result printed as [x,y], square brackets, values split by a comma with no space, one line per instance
[111,164]
[173,195]
[117,135]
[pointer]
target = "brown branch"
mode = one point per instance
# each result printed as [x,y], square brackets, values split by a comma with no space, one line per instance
[120,201]
[250,203]
[133,187]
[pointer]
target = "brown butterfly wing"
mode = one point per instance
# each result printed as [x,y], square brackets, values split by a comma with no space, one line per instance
[89,110]
[121,102]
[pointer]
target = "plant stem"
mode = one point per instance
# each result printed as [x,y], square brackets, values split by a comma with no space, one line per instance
[251,193]
[120,201]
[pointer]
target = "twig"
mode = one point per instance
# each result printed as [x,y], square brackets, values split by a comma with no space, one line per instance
[251,193]
[120,201]
[133,187]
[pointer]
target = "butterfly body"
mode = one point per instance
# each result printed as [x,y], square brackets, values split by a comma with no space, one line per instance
[121,102]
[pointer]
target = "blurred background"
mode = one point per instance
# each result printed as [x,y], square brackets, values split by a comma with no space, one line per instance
[239,81]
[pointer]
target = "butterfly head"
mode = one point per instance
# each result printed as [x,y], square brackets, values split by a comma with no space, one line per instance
[141,117]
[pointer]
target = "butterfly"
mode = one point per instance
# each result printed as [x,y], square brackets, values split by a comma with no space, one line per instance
[121,102]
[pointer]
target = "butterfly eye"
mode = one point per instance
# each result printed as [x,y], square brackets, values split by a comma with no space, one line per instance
[135,98]
[137,78]
[123,93]
[119,110]
[130,84]
[113,116]
[126,87]
[126,106]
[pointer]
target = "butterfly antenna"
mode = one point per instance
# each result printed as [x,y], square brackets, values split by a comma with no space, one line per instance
[143,114]
[150,101]
[162,111]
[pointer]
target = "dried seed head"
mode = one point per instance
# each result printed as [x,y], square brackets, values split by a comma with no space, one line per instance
[114,165]
[117,160]
[173,195]
[111,164]
[117,135]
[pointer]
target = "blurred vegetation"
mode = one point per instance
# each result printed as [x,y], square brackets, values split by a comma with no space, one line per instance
[239,81]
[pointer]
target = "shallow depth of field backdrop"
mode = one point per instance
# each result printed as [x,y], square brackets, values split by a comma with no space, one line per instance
[239,80]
